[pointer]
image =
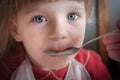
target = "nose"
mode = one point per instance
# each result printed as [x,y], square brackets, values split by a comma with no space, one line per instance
[60,35]
[58,31]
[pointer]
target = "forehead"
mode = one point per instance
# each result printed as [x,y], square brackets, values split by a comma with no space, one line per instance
[45,0]
[31,4]
[21,3]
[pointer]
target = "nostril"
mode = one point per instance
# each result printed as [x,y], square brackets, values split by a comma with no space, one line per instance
[59,35]
[63,37]
[53,37]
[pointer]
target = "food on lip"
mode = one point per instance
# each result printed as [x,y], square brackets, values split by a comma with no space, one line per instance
[68,51]
[59,50]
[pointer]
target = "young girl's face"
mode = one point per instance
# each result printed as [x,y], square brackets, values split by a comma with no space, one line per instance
[53,26]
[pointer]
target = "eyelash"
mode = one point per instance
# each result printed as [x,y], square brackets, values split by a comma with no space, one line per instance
[39,19]
[70,16]
[75,16]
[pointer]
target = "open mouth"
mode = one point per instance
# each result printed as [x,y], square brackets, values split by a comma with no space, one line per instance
[68,51]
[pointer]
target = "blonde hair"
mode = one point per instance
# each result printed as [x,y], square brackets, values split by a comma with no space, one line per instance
[8,11]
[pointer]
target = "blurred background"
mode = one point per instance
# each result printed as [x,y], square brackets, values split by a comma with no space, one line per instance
[92,24]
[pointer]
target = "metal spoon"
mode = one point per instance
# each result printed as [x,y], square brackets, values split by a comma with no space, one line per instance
[74,50]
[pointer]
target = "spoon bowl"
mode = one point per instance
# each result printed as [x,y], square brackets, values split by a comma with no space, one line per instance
[74,50]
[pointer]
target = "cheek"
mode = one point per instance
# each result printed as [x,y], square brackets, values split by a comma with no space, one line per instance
[79,38]
[32,45]
[79,34]
[33,41]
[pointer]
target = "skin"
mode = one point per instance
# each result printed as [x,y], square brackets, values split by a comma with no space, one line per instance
[46,26]
[112,43]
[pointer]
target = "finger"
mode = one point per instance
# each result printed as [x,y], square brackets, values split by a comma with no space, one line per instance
[115,55]
[112,38]
[118,24]
[113,47]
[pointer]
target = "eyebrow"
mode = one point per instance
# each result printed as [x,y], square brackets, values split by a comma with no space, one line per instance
[72,8]
[76,9]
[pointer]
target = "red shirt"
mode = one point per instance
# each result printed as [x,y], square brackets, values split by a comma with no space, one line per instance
[92,62]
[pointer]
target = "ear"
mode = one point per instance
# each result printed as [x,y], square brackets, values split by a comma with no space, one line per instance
[14,31]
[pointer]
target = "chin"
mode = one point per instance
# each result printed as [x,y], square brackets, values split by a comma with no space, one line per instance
[59,63]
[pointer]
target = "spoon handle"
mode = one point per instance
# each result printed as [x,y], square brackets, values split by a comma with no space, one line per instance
[99,37]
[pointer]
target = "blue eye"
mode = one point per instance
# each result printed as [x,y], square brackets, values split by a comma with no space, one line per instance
[72,16]
[39,19]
